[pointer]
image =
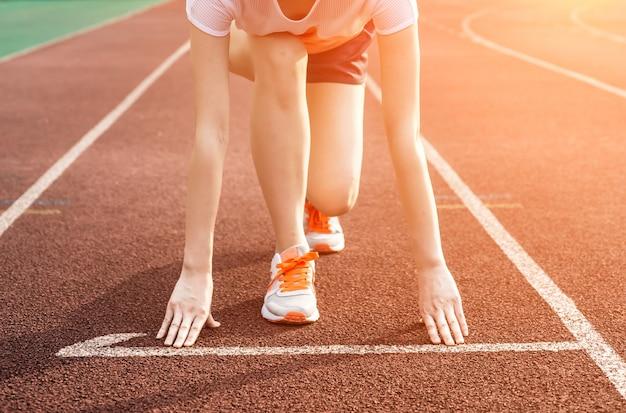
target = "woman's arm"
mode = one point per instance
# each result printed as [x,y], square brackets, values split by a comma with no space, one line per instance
[189,307]
[440,302]
[209,55]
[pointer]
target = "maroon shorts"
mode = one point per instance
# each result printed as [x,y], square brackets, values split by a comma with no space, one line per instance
[346,63]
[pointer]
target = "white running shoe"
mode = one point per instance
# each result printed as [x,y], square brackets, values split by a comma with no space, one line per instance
[290,296]
[323,233]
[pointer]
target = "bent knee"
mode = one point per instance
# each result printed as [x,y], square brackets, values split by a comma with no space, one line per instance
[334,200]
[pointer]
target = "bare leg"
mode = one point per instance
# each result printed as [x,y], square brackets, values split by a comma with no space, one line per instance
[280,131]
[336,145]
[239,57]
[336,136]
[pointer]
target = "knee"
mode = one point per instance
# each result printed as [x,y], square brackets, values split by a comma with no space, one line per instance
[334,199]
[283,59]
[280,69]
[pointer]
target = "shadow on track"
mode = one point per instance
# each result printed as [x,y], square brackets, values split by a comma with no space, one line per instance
[135,305]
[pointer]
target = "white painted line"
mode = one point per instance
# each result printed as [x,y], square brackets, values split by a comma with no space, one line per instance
[101,347]
[22,204]
[578,21]
[42,211]
[77,33]
[596,347]
[490,206]
[476,38]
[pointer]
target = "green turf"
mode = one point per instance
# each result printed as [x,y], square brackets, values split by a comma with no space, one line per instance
[27,23]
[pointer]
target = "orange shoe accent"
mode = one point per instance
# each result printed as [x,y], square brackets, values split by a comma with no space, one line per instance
[295,317]
[317,221]
[323,248]
[292,317]
[292,273]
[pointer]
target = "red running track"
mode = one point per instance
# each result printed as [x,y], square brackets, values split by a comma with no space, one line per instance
[543,150]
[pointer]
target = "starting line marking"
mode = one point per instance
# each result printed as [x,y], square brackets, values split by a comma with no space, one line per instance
[587,337]
[601,352]
[101,347]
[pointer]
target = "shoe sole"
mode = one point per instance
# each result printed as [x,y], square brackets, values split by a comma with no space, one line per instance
[326,248]
[292,317]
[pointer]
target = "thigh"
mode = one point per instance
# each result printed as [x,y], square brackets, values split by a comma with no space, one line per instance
[240,61]
[278,55]
[336,119]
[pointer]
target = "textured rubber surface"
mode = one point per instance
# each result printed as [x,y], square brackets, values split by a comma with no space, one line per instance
[107,262]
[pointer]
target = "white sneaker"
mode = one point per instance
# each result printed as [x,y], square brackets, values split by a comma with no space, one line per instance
[290,296]
[323,233]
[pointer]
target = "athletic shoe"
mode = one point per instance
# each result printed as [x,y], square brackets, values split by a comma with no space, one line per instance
[290,296]
[323,233]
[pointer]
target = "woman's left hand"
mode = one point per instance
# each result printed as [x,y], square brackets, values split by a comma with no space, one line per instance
[441,307]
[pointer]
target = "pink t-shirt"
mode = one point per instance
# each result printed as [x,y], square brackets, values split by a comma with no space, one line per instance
[328,24]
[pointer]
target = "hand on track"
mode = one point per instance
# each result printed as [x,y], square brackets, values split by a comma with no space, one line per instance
[188,310]
[440,306]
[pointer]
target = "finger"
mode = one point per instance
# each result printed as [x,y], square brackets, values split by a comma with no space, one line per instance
[431,327]
[442,325]
[195,329]
[169,313]
[458,310]
[212,323]
[171,334]
[454,325]
[183,330]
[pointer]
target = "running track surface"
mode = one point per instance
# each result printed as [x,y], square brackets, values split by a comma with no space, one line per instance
[99,252]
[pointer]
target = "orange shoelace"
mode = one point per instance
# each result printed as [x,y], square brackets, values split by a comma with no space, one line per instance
[292,273]
[318,222]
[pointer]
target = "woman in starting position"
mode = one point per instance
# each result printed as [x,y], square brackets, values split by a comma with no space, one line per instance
[308,60]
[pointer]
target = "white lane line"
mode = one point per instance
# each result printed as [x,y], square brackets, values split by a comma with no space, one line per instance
[596,347]
[596,31]
[77,33]
[42,211]
[101,347]
[476,38]
[490,206]
[22,204]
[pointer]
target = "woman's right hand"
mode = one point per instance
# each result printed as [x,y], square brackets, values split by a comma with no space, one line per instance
[188,309]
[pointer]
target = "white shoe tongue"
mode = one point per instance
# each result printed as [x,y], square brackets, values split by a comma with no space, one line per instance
[293,252]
